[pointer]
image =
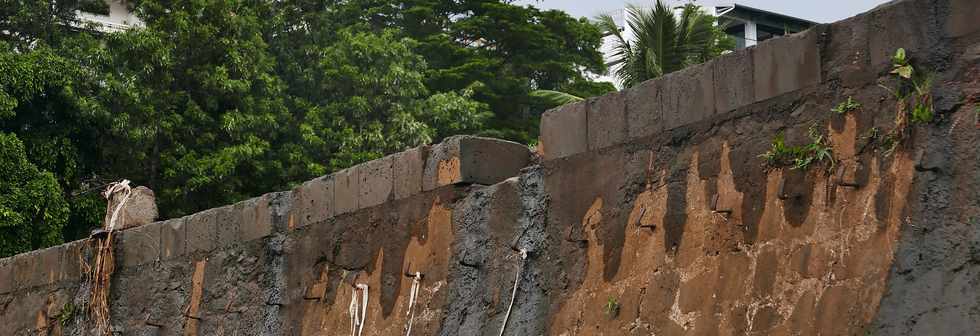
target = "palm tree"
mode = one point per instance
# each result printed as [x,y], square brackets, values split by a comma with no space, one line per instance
[665,41]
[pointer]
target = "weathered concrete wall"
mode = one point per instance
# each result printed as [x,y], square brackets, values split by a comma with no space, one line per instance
[650,211]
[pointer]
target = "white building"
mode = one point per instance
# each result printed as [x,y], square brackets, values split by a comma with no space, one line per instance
[118,16]
[747,25]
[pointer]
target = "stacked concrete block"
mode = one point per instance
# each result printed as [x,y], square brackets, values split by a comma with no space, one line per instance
[900,24]
[6,275]
[845,55]
[962,19]
[256,217]
[469,159]
[312,202]
[200,228]
[72,254]
[139,245]
[564,131]
[786,64]
[346,191]
[689,96]
[408,168]
[644,109]
[374,182]
[35,268]
[606,118]
[173,238]
[733,83]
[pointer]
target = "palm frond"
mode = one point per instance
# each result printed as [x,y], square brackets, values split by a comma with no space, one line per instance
[555,98]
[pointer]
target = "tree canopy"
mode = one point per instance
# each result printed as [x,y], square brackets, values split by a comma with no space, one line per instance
[212,102]
[667,39]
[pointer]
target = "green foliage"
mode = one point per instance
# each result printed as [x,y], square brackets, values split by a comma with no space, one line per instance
[665,41]
[846,106]
[32,209]
[612,307]
[555,98]
[67,313]
[799,157]
[913,91]
[214,102]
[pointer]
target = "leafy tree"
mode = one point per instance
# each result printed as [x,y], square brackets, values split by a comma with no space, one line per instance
[32,209]
[666,41]
[215,101]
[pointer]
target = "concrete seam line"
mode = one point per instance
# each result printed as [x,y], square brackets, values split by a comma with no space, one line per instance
[513,295]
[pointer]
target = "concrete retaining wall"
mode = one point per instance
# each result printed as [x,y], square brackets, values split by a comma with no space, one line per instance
[650,212]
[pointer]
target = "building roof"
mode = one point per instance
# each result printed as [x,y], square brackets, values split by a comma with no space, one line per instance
[739,11]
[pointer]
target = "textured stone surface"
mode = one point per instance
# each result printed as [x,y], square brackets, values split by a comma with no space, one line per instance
[689,96]
[257,219]
[200,231]
[469,159]
[6,275]
[899,24]
[72,254]
[375,182]
[346,191]
[786,64]
[635,225]
[139,245]
[733,81]
[173,238]
[312,202]
[408,168]
[227,227]
[140,208]
[963,16]
[607,120]
[644,109]
[564,131]
[846,56]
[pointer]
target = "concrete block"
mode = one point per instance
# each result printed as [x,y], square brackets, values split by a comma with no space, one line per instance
[6,275]
[48,269]
[346,191]
[845,55]
[140,208]
[256,217]
[607,120]
[469,159]
[173,238]
[312,202]
[36,268]
[962,19]
[24,266]
[899,24]
[644,109]
[688,96]
[139,245]
[72,255]
[734,86]
[408,168]
[374,182]
[227,227]
[200,228]
[786,64]
[564,131]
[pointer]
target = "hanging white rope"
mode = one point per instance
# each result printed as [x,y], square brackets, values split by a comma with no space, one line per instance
[358,307]
[513,295]
[412,296]
[114,188]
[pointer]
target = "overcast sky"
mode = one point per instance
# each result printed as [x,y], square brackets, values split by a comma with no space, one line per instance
[823,11]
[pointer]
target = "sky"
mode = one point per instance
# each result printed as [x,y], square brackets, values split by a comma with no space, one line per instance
[823,11]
